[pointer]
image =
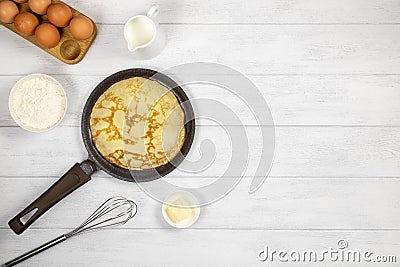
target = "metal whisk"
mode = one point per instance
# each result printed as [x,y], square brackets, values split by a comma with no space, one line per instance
[114,212]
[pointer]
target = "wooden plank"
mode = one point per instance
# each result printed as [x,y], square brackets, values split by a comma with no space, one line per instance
[300,151]
[252,11]
[256,49]
[293,100]
[192,247]
[281,203]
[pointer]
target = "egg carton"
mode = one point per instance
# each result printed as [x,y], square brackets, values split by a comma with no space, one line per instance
[69,50]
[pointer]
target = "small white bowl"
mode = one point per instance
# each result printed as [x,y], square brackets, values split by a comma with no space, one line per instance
[192,204]
[17,119]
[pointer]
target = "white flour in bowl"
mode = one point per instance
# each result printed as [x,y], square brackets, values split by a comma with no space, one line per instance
[37,102]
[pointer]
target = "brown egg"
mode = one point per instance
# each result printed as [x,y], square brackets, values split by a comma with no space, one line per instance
[26,23]
[81,27]
[8,11]
[59,14]
[47,35]
[21,1]
[39,6]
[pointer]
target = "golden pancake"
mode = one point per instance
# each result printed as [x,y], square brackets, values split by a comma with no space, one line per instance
[137,124]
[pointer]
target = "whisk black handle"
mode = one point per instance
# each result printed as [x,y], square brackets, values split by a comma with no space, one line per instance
[35,251]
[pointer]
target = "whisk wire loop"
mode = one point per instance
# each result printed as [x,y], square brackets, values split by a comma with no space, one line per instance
[115,211]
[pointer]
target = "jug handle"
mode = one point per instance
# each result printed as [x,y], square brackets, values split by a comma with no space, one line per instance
[153,11]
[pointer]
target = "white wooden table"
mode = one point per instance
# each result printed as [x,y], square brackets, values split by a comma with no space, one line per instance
[330,71]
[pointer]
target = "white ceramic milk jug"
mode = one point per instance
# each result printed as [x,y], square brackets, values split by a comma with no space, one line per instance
[144,36]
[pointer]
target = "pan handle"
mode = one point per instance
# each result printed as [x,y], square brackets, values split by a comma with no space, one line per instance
[77,176]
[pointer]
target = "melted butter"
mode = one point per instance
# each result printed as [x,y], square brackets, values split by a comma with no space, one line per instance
[179,211]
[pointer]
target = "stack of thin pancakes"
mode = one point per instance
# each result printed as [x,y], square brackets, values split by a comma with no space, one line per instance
[137,124]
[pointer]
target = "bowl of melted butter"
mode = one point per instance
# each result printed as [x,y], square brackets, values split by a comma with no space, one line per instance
[181,209]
